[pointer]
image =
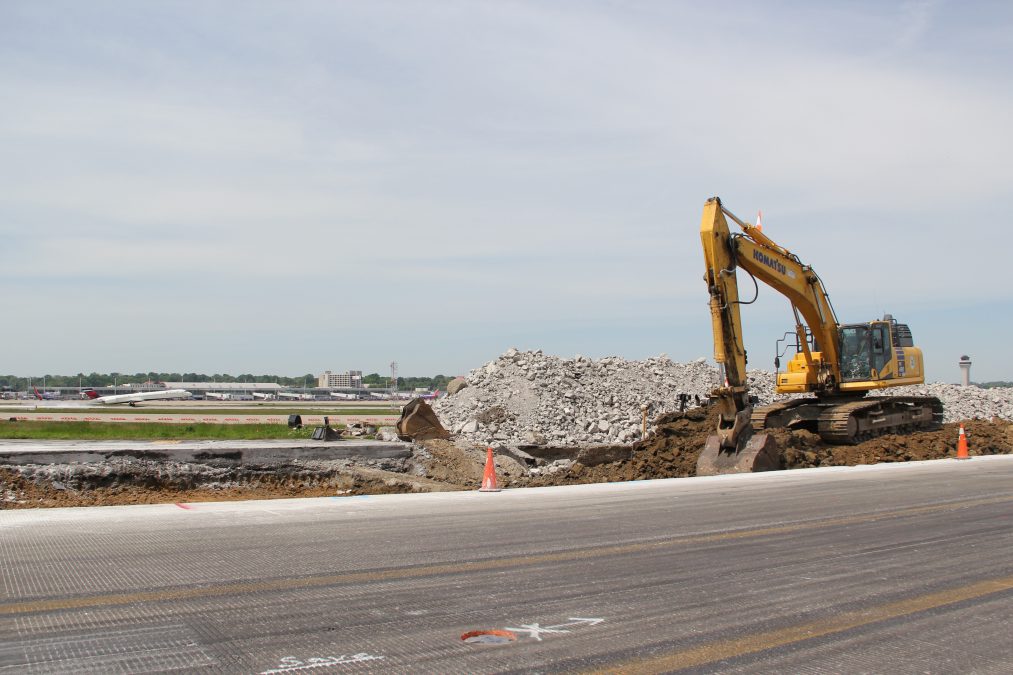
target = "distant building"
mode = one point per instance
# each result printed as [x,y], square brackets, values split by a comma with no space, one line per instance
[348,380]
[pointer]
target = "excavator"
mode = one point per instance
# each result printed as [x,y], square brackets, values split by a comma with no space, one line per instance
[836,364]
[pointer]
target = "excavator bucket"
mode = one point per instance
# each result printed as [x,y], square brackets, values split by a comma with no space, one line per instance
[419,423]
[757,453]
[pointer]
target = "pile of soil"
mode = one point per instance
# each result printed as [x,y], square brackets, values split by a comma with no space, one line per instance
[463,467]
[673,451]
[802,449]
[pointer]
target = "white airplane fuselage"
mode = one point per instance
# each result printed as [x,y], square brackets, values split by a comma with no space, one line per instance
[143,396]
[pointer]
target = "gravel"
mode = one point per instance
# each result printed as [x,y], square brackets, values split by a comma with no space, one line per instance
[531,398]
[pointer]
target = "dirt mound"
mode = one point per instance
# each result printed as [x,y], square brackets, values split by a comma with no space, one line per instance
[673,451]
[801,449]
[670,453]
[445,462]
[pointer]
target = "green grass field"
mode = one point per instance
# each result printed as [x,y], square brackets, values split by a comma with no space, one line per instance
[99,431]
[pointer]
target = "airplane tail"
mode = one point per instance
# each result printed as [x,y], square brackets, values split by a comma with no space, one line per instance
[91,393]
[37,394]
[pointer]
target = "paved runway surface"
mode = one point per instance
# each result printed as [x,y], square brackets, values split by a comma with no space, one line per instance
[896,568]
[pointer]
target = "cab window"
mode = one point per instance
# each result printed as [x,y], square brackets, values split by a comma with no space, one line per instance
[878,340]
[855,358]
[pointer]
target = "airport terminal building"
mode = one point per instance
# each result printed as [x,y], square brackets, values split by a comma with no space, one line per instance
[351,379]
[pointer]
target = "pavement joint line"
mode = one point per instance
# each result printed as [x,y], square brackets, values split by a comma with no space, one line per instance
[754,643]
[275,585]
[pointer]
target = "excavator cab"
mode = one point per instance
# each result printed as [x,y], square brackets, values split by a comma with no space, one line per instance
[876,351]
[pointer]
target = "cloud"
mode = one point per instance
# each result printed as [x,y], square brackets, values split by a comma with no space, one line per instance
[526,164]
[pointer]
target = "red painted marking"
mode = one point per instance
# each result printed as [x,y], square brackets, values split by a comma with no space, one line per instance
[210,419]
[92,419]
[274,419]
[184,506]
[119,419]
[188,419]
[69,419]
[165,419]
[45,418]
[231,419]
[142,419]
[252,419]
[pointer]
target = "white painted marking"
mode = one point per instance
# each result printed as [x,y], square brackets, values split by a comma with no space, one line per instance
[535,630]
[578,620]
[289,664]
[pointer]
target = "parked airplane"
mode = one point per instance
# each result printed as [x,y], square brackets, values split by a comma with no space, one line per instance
[298,397]
[264,396]
[131,399]
[46,395]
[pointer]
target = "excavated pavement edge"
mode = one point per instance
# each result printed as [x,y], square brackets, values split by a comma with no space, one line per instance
[239,452]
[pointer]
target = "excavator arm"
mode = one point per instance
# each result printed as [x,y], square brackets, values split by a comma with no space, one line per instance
[732,398]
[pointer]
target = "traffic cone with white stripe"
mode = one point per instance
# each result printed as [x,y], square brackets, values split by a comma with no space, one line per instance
[489,478]
[962,445]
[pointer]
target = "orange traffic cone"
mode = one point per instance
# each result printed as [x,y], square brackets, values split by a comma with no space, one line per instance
[962,445]
[489,478]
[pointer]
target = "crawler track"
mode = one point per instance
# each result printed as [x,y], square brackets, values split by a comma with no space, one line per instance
[852,421]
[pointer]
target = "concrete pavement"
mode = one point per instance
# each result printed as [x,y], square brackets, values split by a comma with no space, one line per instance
[890,568]
[22,451]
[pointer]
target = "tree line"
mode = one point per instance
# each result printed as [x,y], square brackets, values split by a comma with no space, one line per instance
[377,381]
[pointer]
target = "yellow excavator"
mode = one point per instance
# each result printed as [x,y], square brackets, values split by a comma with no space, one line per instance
[836,364]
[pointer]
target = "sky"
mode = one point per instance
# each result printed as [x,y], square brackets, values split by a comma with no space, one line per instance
[293,187]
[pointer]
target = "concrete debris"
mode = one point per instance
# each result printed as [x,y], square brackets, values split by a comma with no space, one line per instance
[456,385]
[387,434]
[529,398]
[519,455]
[963,403]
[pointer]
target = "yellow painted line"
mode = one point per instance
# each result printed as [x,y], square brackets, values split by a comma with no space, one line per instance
[758,642]
[476,566]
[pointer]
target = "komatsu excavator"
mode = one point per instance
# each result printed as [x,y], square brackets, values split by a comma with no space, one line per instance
[837,364]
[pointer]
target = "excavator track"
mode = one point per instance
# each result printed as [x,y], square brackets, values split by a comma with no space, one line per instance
[851,421]
[763,415]
[857,421]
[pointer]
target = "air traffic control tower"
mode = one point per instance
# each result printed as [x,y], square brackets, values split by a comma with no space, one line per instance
[965,370]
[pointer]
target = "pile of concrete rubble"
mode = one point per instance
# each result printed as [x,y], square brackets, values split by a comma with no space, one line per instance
[963,403]
[530,398]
